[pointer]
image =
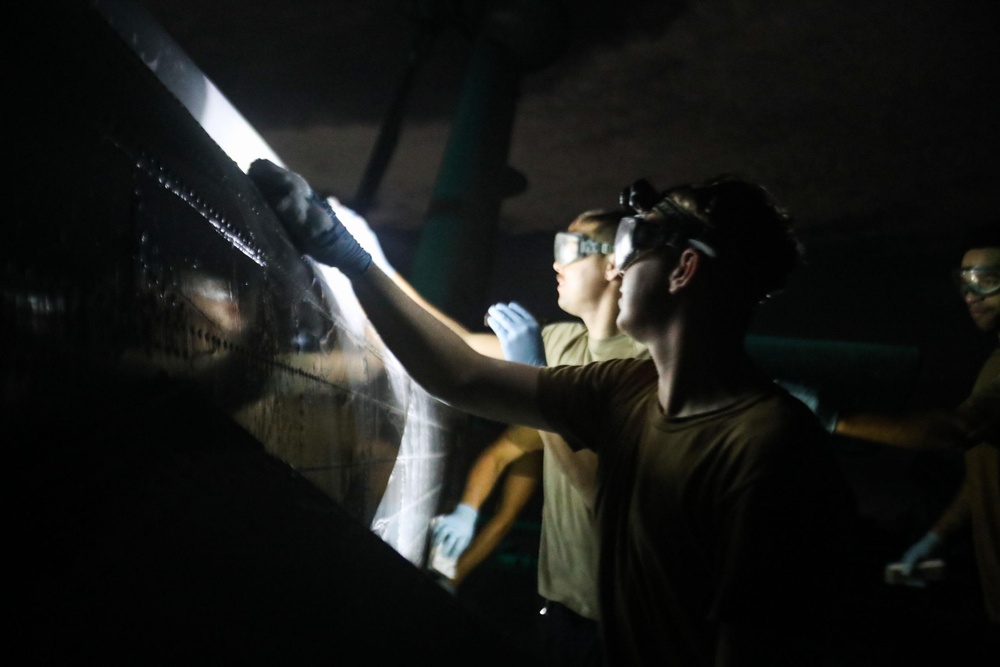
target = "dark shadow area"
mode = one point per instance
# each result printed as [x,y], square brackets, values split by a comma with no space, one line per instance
[153,530]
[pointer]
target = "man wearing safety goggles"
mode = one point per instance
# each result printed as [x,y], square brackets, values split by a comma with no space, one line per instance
[973,426]
[588,289]
[720,503]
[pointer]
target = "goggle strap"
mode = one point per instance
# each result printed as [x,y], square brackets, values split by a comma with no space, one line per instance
[705,248]
[670,210]
[591,247]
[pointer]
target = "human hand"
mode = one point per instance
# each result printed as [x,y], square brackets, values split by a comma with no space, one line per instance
[824,410]
[927,547]
[519,333]
[453,532]
[308,219]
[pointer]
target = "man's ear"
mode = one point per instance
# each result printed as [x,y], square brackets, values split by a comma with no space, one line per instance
[685,271]
[611,271]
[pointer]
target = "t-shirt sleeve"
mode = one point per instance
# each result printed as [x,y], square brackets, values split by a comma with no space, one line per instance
[580,402]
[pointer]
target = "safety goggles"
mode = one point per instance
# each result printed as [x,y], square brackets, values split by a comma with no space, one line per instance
[638,234]
[979,280]
[570,247]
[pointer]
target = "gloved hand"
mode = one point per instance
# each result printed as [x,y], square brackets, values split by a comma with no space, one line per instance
[309,220]
[927,547]
[519,333]
[825,412]
[454,531]
[363,233]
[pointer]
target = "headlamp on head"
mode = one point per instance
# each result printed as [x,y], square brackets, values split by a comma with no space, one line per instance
[570,246]
[637,234]
[982,281]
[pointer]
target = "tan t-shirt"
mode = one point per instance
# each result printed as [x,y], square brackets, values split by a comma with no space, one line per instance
[737,515]
[568,548]
[982,479]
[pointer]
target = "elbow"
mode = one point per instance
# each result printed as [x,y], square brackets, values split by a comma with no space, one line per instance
[455,382]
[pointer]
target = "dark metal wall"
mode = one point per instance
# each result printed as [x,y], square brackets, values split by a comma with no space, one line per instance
[204,430]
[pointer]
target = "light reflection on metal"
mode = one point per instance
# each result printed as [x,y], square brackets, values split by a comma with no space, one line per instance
[186,81]
[157,258]
[187,195]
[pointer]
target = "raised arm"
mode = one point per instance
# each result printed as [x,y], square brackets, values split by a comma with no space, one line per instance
[976,420]
[483,343]
[434,355]
[927,430]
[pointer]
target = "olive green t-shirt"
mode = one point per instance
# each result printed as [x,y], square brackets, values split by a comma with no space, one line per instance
[736,515]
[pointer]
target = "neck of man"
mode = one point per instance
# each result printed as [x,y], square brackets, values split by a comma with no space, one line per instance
[602,319]
[702,368]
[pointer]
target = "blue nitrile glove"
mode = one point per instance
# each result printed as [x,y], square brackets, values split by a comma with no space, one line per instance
[925,548]
[519,333]
[454,531]
[825,412]
[309,220]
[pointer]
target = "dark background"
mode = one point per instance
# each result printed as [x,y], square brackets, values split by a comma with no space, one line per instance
[862,115]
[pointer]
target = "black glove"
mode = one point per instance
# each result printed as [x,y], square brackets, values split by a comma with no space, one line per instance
[310,221]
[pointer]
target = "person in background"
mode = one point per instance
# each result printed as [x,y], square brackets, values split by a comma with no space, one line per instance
[973,426]
[589,288]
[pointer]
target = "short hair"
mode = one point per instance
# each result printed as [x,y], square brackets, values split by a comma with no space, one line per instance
[605,223]
[982,235]
[752,234]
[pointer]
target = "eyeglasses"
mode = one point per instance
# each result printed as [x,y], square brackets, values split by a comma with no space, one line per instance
[979,280]
[570,247]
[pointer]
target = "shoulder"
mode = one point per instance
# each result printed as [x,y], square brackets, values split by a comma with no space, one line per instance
[988,381]
[558,331]
[777,425]
[561,338]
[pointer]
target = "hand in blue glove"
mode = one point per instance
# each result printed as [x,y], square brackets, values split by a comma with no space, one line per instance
[927,547]
[453,532]
[519,333]
[811,397]
[309,220]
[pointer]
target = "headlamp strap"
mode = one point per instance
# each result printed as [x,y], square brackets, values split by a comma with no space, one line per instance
[688,226]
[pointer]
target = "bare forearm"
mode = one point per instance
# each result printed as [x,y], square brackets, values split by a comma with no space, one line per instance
[518,448]
[931,430]
[483,343]
[523,478]
[482,478]
[956,516]
[438,359]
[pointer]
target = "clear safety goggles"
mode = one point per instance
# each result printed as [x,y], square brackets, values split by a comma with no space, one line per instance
[638,235]
[979,280]
[570,247]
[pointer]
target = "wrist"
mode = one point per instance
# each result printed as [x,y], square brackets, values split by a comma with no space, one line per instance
[467,512]
[933,539]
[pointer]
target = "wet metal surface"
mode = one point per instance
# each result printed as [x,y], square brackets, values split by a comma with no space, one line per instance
[136,246]
[216,459]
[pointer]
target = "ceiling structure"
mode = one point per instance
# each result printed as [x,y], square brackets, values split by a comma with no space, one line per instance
[867,114]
